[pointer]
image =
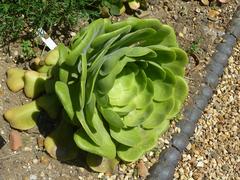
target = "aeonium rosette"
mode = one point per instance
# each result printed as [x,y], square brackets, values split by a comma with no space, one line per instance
[113,90]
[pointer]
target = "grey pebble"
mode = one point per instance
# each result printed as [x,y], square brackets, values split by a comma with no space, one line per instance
[237,13]
[193,114]
[171,156]
[234,28]
[215,67]
[187,127]
[180,141]
[230,39]
[212,79]
[224,48]
[161,171]
[220,58]
[201,102]
[206,91]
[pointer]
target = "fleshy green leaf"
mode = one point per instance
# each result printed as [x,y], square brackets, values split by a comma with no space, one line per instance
[64,96]
[137,116]
[159,114]
[126,136]
[59,143]
[148,141]
[112,118]
[23,117]
[101,164]
[96,139]
[102,39]
[164,54]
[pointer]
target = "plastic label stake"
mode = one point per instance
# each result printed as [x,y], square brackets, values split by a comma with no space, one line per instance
[46,39]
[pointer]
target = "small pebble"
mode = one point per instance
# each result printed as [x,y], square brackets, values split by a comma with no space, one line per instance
[27,149]
[33,177]
[44,160]
[35,161]
[200,164]
[142,169]
[15,140]
[40,142]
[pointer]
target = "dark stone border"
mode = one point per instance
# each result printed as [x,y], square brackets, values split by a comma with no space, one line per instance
[169,158]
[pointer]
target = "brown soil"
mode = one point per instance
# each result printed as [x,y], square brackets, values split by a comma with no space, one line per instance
[198,29]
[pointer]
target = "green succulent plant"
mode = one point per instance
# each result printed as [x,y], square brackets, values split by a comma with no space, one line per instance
[116,87]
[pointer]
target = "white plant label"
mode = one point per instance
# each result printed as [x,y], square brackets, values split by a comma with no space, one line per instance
[48,41]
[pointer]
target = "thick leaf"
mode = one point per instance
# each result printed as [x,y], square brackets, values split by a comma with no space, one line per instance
[23,117]
[180,93]
[95,68]
[102,39]
[59,143]
[113,59]
[148,23]
[64,96]
[138,116]
[164,54]
[64,72]
[133,38]
[140,51]
[83,80]
[175,110]
[170,77]
[170,39]
[164,36]
[132,21]
[159,114]
[34,83]
[180,89]
[78,38]
[106,83]
[175,67]
[145,91]
[96,139]
[126,136]
[154,71]
[15,79]
[181,56]
[148,141]
[162,90]
[52,57]
[124,110]
[50,104]
[101,164]
[94,29]
[124,89]
[112,118]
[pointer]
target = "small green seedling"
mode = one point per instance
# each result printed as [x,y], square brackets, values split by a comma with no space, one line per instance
[195,46]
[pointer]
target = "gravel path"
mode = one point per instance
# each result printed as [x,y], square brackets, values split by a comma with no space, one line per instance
[215,149]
